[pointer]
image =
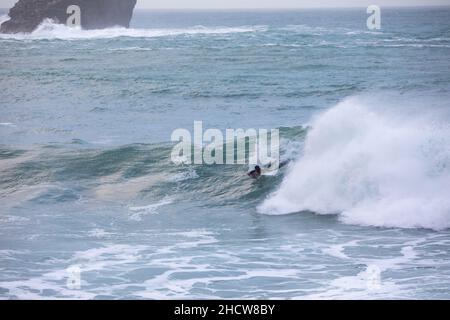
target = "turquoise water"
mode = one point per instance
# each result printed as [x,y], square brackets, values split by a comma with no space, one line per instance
[361,211]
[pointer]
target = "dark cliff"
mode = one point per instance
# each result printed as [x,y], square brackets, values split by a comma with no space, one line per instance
[26,15]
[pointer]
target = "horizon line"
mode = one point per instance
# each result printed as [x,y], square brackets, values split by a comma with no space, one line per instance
[291,8]
[297,8]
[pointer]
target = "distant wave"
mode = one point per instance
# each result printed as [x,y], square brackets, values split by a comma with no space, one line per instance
[50,30]
[305,29]
[374,162]
[318,31]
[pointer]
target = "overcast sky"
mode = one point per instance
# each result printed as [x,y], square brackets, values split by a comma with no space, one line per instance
[221,4]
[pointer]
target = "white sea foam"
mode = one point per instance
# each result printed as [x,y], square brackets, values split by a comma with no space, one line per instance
[158,270]
[304,29]
[12,219]
[185,175]
[7,124]
[373,162]
[138,212]
[371,282]
[55,281]
[50,30]
[99,233]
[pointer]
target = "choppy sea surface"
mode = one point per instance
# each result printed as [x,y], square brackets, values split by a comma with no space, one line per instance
[362,211]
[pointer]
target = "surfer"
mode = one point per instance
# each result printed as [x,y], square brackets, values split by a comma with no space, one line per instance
[255,174]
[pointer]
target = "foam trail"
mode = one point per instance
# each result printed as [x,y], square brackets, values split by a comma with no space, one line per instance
[138,212]
[381,166]
[50,30]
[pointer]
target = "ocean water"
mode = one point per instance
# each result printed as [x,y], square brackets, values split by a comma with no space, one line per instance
[362,211]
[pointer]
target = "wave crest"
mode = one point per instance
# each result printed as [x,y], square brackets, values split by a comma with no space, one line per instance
[372,166]
[50,30]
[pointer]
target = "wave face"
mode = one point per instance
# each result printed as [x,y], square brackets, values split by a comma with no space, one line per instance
[383,166]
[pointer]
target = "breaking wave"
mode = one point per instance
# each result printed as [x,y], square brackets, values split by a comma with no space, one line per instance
[50,30]
[373,161]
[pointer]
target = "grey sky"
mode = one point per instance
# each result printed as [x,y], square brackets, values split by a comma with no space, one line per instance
[221,4]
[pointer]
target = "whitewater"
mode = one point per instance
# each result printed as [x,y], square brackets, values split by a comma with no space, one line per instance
[86,181]
[48,29]
[378,160]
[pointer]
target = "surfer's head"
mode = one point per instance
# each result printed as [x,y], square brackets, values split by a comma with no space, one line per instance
[258,169]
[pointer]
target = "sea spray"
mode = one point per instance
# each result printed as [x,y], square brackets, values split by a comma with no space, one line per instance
[373,165]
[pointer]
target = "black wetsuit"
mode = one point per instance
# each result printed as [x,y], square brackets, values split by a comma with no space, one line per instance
[255,174]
